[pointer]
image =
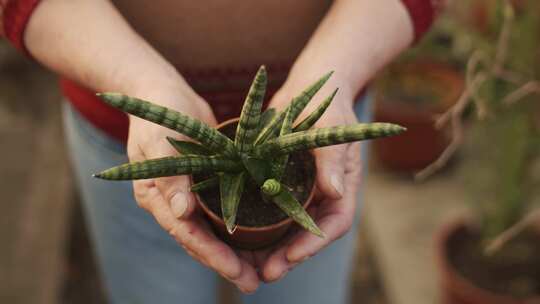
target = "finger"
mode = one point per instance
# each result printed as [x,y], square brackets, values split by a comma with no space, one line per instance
[330,162]
[198,240]
[175,190]
[335,217]
[248,281]
[194,235]
[275,265]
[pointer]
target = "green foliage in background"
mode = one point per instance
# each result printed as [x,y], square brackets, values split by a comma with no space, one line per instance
[506,133]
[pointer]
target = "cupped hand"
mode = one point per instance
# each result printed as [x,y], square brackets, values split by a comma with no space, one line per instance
[337,182]
[169,200]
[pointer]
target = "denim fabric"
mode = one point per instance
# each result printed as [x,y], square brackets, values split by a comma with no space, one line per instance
[141,263]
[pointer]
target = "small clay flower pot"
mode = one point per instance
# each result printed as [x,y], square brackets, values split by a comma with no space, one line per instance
[422,143]
[247,237]
[455,287]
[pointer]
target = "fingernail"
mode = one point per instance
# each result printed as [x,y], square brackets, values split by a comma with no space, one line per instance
[298,261]
[247,292]
[282,275]
[179,204]
[337,182]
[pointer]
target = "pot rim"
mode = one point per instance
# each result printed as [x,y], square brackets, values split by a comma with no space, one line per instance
[279,224]
[461,283]
[454,82]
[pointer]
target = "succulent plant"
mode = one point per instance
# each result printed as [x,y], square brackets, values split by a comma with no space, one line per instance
[259,151]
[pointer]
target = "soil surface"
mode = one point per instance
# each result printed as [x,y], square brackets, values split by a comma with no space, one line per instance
[253,210]
[514,270]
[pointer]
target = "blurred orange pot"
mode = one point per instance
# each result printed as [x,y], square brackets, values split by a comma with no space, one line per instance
[456,288]
[412,96]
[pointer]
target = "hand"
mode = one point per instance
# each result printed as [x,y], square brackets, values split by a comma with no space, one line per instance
[337,181]
[169,200]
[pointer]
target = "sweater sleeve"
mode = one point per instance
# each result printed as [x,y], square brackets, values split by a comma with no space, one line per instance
[422,13]
[14,16]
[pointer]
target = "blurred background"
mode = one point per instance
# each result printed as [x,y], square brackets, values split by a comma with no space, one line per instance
[449,213]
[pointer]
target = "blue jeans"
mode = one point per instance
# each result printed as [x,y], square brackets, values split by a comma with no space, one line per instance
[140,263]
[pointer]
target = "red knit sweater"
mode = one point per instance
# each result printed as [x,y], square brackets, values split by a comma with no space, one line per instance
[15,14]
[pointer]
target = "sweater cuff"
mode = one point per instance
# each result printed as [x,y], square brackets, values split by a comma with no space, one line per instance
[15,17]
[422,13]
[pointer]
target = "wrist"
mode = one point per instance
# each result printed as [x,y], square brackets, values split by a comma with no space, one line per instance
[173,93]
[348,86]
[159,79]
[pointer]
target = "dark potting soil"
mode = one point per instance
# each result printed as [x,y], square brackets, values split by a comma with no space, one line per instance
[514,270]
[253,210]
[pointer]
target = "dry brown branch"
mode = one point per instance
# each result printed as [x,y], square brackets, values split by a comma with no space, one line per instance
[473,81]
[498,242]
[472,65]
[454,114]
[457,139]
[526,89]
[508,76]
[457,109]
[504,39]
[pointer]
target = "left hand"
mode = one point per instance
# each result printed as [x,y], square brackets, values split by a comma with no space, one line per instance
[337,181]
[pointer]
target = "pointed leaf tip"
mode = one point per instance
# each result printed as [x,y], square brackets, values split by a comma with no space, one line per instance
[318,232]
[231,227]
[231,188]
[248,125]
[116,100]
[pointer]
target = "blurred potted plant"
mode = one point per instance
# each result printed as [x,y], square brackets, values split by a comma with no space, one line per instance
[412,92]
[495,256]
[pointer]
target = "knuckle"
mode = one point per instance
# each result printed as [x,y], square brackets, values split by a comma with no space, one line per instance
[141,200]
[143,204]
[172,232]
[139,192]
[344,227]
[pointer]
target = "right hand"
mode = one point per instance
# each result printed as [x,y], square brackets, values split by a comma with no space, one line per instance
[169,200]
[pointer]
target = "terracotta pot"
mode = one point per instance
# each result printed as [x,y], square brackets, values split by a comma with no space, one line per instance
[422,143]
[456,289]
[245,237]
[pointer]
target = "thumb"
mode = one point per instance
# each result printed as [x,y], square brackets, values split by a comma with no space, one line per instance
[331,170]
[176,192]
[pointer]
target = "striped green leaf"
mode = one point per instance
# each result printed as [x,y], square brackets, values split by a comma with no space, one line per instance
[297,105]
[309,121]
[259,169]
[170,166]
[231,187]
[281,161]
[205,184]
[248,125]
[266,117]
[186,147]
[193,128]
[288,203]
[322,137]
